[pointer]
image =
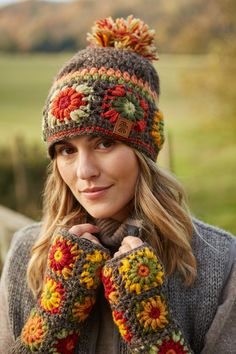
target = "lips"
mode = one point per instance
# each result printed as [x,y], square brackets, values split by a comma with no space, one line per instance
[95,192]
[94,189]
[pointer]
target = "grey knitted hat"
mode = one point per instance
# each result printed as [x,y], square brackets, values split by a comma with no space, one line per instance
[109,89]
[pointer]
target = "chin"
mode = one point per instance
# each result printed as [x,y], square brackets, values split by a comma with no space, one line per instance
[100,214]
[116,214]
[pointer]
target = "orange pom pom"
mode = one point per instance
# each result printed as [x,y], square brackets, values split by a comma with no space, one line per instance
[131,33]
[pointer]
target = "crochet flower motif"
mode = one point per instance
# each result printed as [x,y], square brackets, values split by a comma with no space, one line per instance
[65,343]
[69,104]
[52,296]
[62,257]
[158,129]
[121,102]
[91,274]
[34,331]
[152,314]
[172,344]
[120,321]
[82,307]
[111,291]
[130,33]
[141,271]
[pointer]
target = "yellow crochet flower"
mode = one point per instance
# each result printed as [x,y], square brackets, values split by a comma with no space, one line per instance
[91,275]
[96,256]
[154,314]
[107,271]
[141,271]
[87,279]
[82,308]
[52,296]
[158,129]
[34,331]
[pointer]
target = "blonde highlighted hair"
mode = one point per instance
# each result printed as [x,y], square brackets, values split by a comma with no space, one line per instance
[159,201]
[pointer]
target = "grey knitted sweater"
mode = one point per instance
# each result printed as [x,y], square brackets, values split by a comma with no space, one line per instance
[206,312]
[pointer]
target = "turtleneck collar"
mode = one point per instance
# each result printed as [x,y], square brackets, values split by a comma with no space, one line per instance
[112,231]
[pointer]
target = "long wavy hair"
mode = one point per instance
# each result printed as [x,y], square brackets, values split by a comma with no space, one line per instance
[159,201]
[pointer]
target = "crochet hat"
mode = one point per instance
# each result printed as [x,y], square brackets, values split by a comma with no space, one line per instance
[109,89]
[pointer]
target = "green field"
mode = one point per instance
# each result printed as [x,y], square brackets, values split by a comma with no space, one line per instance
[203,144]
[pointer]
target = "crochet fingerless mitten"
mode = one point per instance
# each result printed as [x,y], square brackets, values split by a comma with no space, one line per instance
[135,287]
[69,291]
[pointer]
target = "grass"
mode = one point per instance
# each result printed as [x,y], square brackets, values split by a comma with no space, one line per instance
[202,145]
[25,81]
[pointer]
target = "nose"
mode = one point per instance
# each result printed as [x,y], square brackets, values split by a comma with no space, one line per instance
[86,166]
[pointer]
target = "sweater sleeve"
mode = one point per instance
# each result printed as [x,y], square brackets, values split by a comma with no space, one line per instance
[135,286]
[6,338]
[68,295]
[221,336]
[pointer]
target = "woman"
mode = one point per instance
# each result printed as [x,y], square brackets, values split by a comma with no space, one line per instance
[111,216]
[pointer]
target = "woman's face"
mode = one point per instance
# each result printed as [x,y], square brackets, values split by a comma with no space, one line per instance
[101,173]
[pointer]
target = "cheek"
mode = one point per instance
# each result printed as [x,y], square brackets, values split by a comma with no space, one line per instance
[131,182]
[126,169]
[65,172]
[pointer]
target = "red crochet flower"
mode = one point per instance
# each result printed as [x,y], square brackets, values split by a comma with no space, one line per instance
[62,256]
[108,286]
[171,347]
[66,102]
[67,345]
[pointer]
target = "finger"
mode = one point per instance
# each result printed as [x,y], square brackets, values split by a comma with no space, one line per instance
[117,254]
[80,229]
[90,237]
[132,242]
[124,249]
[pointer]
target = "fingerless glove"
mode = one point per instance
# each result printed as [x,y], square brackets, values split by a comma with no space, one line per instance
[135,286]
[72,277]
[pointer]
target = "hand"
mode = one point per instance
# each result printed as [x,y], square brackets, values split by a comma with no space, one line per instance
[69,290]
[136,287]
[128,244]
[85,231]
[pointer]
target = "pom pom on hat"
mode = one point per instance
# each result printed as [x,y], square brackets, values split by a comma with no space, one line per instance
[131,34]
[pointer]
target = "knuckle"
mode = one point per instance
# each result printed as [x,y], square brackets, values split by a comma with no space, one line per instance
[138,241]
[83,228]
[131,240]
[74,229]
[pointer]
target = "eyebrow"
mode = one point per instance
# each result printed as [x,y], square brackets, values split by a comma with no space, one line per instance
[61,142]
[68,141]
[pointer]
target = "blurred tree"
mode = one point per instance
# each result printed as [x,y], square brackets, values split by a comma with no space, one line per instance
[185,26]
[226,50]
